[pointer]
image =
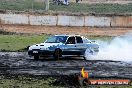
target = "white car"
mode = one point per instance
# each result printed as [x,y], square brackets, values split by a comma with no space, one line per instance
[64,46]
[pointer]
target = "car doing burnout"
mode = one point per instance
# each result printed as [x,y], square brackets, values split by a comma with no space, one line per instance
[64,46]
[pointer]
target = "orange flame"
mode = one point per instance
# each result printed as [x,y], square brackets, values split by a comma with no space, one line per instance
[84,74]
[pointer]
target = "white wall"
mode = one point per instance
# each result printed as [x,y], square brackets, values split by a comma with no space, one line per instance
[125,21]
[70,21]
[13,19]
[97,21]
[76,21]
[42,20]
[63,20]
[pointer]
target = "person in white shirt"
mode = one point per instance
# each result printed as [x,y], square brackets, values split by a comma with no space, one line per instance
[66,2]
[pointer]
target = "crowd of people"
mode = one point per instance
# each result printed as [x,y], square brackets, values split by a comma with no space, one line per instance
[64,2]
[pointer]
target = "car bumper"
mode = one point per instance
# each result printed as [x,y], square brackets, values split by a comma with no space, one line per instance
[40,52]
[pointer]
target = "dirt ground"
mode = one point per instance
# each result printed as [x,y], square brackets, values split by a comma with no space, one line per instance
[65,30]
[65,71]
[21,63]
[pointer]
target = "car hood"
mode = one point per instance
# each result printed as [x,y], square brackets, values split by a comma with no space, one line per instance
[45,46]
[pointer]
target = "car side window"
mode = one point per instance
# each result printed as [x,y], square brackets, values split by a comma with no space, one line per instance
[71,40]
[79,39]
[60,39]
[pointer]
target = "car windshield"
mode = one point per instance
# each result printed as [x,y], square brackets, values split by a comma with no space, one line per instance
[56,39]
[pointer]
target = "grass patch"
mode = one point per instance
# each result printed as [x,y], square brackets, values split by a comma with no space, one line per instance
[45,82]
[24,5]
[20,42]
[102,38]
[94,8]
[26,82]
[20,5]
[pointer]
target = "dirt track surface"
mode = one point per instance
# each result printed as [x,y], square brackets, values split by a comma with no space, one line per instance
[20,63]
[65,30]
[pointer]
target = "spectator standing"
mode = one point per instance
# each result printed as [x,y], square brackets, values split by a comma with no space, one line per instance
[78,1]
[66,2]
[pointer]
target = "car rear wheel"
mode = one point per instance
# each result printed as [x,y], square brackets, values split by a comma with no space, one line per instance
[84,58]
[87,53]
[36,57]
[57,54]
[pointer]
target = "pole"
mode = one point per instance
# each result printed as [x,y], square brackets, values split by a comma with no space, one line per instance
[32,4]
[47,5]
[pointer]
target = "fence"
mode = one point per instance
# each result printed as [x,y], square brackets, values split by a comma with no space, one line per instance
[63,20]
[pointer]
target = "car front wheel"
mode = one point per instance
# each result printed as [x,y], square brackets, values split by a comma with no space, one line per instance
[57,54]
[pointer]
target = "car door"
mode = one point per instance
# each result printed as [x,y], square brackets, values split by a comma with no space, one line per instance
[70,47]
[80,46]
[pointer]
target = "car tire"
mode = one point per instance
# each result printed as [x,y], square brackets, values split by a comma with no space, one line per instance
[36,57]
[84,58]
[87,53]
[57,54]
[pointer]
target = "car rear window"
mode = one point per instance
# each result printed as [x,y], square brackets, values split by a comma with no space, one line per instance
[79,39]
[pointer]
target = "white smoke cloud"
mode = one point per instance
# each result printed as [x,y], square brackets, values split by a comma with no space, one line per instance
[119,49]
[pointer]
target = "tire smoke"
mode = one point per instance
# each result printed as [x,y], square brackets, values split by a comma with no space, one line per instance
[119,49]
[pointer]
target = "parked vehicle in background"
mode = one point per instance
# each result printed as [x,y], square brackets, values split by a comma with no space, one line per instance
[64,46]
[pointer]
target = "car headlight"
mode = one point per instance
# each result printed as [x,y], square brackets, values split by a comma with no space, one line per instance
[30,48]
